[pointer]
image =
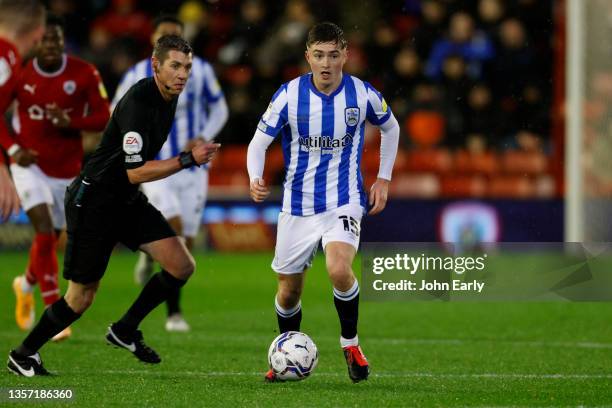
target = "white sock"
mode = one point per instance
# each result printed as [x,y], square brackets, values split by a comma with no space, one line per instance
[349,294]
[25,285]
[349,342]
[286,313]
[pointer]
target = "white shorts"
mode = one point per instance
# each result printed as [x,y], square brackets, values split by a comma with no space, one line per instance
[297,238]
[181,195]
[34,188]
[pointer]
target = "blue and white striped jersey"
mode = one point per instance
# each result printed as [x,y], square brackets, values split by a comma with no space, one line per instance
[322,139]
[192,117]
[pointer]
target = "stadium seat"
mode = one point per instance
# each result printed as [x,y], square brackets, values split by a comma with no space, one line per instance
[510,187]
[483,163]
[408,185]
[521,162]
[463,186]
[428,160]
[425,128]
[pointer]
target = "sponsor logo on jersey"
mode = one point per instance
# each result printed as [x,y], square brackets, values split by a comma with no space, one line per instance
[136,158]
[132,143]
[351,116]
[324,144]
[5,71]
[30,88]
[262,126]
[69,87]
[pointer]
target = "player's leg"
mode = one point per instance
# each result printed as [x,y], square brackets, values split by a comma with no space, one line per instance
[160,194]
[340,243]
[175,321]
[58,218]
[25,360]
[297,240]
[37,198]
[177,265]
[142,226]
[191,188]
[287,302]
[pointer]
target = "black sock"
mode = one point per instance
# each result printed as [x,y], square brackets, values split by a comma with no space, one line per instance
[55,318]
[288,319]
[173,302]
[154,292]
[347,306]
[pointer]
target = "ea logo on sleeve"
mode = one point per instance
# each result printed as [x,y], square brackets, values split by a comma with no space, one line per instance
[132,143]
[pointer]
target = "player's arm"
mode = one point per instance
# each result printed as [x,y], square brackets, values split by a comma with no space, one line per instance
[134,124]
[9,201]
[214,102]
[98,105]
[218,111]
[256,159]
[153,170]
[270,125]
[379,114]
[8,85]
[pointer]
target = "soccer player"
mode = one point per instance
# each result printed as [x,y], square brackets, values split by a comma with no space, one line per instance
[22,24]
[321,119]
[201,112]
[104,207]
[57,97]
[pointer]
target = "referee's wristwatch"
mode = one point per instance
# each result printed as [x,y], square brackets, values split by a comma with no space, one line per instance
[187,160]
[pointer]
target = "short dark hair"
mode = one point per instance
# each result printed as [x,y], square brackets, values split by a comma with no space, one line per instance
[167,18]
[326,32]
[22,16]
[55,20]
[170,42]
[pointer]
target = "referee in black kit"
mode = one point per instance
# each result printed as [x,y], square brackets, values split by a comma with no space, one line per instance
[104,207]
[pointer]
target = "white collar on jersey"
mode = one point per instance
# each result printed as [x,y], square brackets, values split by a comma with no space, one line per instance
[51,74]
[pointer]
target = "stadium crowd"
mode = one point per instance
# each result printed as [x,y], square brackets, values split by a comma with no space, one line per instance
[462,76]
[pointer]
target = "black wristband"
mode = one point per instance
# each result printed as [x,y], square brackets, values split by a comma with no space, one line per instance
[186,160]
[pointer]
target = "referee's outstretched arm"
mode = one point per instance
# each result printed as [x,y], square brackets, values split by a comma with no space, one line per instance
[157,169]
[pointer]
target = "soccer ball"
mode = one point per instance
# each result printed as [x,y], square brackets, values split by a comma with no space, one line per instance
[293,356]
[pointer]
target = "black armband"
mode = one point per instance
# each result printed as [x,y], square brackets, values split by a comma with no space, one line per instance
[186,160]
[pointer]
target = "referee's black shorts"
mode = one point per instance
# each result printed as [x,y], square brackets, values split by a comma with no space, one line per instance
[97,220]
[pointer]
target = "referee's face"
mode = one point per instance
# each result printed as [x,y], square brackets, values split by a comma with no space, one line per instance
[172,73]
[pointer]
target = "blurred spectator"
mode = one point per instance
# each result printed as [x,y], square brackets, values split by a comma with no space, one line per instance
[382,49]
[285,42]
[249,31]
[475,47]
[122,20]
[514,62]
[490,13]
[481,119]
[431,28]
[455,84]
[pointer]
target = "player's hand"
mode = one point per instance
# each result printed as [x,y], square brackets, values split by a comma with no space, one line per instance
[259,191]
[193,143]
[9,200]
[203,152]
[378,196]
[25,157]
[58,116]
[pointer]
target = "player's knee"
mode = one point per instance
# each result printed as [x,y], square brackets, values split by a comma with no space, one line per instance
[288,297]
[81,301]
[339,269]
[186,268]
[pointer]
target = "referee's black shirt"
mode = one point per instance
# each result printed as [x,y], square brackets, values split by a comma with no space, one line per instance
[137,130]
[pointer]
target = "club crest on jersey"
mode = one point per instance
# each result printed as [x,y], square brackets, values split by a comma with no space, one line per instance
[351,116]
[132,143]
[69,87]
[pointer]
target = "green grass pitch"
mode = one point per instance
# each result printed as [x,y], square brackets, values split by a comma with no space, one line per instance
[421,354]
